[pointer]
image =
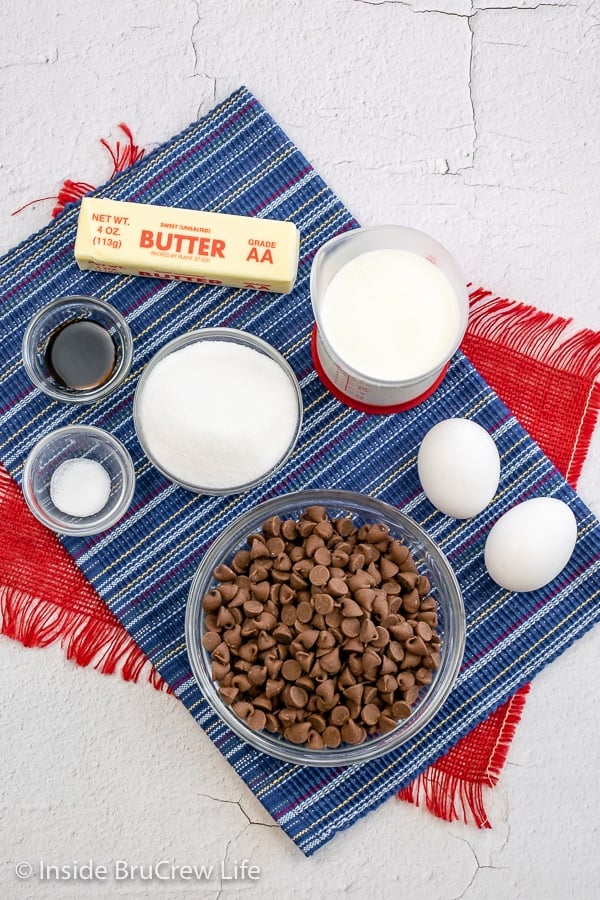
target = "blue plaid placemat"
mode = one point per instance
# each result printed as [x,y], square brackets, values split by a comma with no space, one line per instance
[238,160]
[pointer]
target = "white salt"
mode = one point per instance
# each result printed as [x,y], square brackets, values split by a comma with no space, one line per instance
[217,414]
[80,487]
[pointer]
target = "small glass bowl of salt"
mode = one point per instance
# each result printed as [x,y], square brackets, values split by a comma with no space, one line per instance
[78,480]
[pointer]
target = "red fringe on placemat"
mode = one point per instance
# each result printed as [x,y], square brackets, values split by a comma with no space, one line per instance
[45,598]
[453,788]
[69,193]
[530,332]
[122,155]
[102,645]
[125,155]
[524,354]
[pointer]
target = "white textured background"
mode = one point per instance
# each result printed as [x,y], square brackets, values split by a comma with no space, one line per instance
[478,122]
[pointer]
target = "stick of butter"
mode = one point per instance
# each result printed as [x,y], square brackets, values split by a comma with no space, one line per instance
[186,245]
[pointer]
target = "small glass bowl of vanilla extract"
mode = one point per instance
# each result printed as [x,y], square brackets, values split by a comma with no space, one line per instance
[77,349]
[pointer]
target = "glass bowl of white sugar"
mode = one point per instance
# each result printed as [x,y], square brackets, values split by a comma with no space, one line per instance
[78,480]
[218,410]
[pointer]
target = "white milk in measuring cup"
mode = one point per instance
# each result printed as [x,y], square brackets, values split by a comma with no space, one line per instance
[391,308]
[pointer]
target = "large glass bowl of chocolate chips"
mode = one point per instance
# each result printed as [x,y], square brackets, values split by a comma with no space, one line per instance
[325,628]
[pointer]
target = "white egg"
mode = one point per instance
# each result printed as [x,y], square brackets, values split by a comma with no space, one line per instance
[530,544]
[459,467]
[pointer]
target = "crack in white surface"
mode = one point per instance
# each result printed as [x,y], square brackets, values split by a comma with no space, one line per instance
[459,15]
[238,803]
[529,189]
[227,846]
[511,137]
[504,44]
[433,166]
[472,102]
[507,838]
[212,79]
[523,8]
[530,765]
[478,867]
[468,17]
[410,8]
[47,60]
[192,41]
[386,3]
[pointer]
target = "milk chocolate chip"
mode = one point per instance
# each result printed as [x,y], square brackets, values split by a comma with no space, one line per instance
[321,631]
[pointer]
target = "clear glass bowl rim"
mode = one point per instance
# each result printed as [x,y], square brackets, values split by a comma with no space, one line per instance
[454,628]
[356,234]
[93,524]
[235,335]
[89,396]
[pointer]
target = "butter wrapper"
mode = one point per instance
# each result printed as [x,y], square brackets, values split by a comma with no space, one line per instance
[117,237]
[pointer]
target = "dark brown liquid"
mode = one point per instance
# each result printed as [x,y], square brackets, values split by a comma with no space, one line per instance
[81,355]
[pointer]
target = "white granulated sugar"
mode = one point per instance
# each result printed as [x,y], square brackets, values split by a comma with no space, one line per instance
[80,487]
[217,414]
